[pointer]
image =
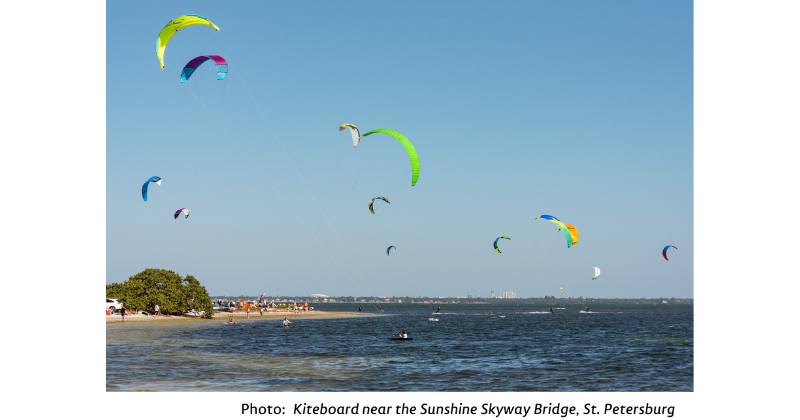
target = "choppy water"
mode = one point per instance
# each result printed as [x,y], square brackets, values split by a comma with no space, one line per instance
[470,348]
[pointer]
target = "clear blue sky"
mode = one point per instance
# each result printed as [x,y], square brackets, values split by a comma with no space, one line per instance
[582,110]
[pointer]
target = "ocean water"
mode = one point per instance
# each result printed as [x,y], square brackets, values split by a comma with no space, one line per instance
[470,348]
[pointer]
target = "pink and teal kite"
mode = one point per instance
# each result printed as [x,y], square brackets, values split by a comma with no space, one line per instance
[222,67]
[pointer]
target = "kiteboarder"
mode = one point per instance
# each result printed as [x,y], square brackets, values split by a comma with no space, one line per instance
[359,308]
[286,322]
[403,335]
[438,309]
[551,310]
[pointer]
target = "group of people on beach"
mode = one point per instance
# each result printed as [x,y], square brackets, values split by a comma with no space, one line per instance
[124,311]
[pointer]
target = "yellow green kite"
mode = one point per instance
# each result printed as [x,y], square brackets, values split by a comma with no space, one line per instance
[176,25]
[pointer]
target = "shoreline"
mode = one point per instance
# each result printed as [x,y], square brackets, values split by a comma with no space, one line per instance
[239,315]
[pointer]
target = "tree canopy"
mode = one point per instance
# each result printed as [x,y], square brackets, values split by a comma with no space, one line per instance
[173,294]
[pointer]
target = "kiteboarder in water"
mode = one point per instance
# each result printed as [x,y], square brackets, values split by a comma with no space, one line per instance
[403,335]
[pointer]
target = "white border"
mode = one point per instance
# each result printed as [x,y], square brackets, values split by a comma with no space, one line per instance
[53,164]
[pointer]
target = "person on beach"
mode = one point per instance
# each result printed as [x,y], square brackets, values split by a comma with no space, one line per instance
[123,312]
[248,312]
[261,310]
[157,309]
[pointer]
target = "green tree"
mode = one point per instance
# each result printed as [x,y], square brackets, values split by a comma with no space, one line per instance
[173,294]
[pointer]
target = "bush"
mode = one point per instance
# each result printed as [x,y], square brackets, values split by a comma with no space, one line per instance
[173,294]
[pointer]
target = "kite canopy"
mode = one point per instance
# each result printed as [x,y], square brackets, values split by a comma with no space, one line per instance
[596,273]
[185,212]
[387,249]
[562,290]
[665,251]
[222,66]
[373,200]
[412,153]
[564,228]
[495,243]
[155,179]
[176,25]
[353,132]
[573,233]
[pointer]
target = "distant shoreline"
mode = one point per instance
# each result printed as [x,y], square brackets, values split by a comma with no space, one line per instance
[239,315]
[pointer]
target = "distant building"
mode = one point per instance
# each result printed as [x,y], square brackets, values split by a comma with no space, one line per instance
[469,296]
[317,295]
[509,295]
[492,295]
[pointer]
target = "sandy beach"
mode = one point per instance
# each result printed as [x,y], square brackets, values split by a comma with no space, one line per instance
[241,315]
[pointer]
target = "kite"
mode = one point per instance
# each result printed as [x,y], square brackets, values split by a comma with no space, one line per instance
[373,200]
[665,251]
[596,273]
[174,26]
[185,212]
[387,249]
[495,243]
[412,153]
[188,70]
[353,132]
[155,179]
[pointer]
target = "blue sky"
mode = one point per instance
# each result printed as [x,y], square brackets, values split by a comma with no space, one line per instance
[582,110]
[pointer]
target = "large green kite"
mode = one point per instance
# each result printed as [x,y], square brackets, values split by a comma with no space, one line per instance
[412,153]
